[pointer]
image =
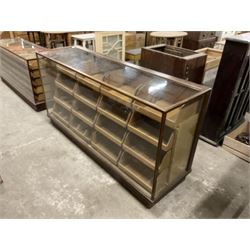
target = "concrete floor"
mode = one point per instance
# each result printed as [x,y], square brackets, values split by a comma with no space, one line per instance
[47,176]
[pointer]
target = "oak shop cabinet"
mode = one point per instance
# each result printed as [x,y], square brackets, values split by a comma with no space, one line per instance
[179,62]
[141,126]
[230,96]
[19,70]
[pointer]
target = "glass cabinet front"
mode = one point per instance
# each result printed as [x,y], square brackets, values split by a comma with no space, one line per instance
[142,123]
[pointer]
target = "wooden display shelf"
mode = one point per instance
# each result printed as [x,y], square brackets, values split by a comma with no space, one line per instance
[83,117]
[106,147]
[81,128]
[66,71]
[116,96]
[115,111]
[88,82]
[85,101]
[87,95]
[62,103]
[61,113]
[156,115]
[66,80]
[63,87]
[137,171]
[140,149]
[151,138]
[110,129]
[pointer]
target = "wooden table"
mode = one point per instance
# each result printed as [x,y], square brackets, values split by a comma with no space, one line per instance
[174,38]
[86,39]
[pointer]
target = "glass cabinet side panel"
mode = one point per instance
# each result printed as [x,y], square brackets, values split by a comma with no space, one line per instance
[156,90]
[181,125]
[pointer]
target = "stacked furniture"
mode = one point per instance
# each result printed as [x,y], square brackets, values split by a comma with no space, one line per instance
[199,39]
[133,122]
[230,95]
[19,70]
[174,61]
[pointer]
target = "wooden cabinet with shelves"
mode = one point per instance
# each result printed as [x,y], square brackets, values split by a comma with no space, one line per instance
[19,70]
[131,120]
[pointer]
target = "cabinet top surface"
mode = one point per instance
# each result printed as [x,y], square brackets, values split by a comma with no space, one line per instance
[153,88]
[22,48]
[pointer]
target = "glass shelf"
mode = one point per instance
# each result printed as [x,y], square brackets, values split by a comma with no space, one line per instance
[84,112]
[140,149]
[149,129]
[137,171]
[61,113]
[114,111]
[106,147]
[87,95]
[110,129]
[64,98]
[81,128]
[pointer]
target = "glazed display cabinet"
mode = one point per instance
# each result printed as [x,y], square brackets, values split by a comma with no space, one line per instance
[19,70]
[175,61]
[142,127]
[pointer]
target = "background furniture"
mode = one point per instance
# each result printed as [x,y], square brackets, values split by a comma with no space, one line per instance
[174,38]
[1,180]
[19,70]
[212,64]
[133,122]
[86,40]
[199,39]
[174,61]
[54,39]
[133,55]
[111,44]
[134,40]
[230,96]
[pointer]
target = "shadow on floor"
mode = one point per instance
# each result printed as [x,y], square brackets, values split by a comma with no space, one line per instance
[228,199]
